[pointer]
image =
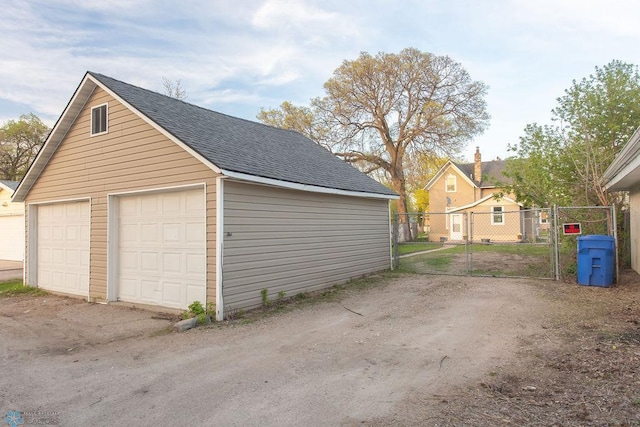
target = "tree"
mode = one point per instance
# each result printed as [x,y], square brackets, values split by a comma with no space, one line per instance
[379,111]
[20,142]
[594,119]
[174,89]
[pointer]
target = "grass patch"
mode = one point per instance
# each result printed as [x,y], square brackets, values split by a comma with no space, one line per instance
[162,332]
[515,249]
[303,299]
[408,248]
[15,287]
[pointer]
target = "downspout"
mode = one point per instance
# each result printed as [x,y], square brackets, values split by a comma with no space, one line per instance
[219,246]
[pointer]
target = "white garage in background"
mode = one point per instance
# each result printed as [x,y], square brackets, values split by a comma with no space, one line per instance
[62,246]
[11,224]
[161,251]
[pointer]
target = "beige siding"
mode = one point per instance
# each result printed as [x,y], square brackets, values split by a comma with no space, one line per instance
[483,228]
[131,156]
[634,211]
[293,241]
[465,194]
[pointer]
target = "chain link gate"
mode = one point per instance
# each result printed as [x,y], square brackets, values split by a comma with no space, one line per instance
[431,243]
[528,243]
[599,220]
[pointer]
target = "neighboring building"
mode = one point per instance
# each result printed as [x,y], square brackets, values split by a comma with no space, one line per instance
[459,189]
[624,175]
[139,197]
[11,223]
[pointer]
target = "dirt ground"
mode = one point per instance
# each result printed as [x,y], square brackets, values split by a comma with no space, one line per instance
[400,350]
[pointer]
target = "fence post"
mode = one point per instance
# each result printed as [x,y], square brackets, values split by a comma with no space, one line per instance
[396,252]
[468,244]
[556,244]
[615,240]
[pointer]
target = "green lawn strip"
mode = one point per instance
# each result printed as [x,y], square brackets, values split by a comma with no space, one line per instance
[407,248]
[516,249]
[15,287]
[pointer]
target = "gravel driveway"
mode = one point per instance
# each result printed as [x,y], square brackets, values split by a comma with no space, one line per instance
[351,360]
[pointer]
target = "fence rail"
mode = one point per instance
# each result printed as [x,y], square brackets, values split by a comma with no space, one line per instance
[522,243]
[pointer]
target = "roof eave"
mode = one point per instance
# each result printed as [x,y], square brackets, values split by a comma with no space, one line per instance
[624,172]
[305,187]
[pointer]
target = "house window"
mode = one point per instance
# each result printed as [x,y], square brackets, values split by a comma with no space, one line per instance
[544,217]
[99,119]
[450,183]
[497,215]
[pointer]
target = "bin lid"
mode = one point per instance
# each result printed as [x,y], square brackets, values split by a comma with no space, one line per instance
[596,237]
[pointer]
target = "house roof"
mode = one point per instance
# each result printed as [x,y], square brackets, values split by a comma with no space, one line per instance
[492,169]
[624,172]
[229,145]
[481,201]
[10,185]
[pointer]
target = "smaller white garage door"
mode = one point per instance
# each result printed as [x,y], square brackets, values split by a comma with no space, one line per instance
[63,247]
[12,237]
[162,255]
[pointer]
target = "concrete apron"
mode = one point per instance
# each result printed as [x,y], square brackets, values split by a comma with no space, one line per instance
[10,270]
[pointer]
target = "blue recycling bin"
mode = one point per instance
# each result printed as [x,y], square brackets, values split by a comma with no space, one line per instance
[596,260]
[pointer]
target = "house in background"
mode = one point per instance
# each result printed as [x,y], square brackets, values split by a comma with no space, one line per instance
[459,189]
[143,198]
[11,223]
[624,175]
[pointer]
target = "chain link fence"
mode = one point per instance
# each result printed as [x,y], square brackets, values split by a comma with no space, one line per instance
[598,220]
[521,243]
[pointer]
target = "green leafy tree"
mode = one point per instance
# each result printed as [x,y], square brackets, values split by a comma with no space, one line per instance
[20,142]
[593,120]
[379,112]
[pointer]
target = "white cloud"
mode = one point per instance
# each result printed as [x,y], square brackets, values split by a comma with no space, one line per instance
[241,55]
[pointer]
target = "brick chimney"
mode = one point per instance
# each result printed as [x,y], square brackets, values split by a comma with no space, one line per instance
[477,167]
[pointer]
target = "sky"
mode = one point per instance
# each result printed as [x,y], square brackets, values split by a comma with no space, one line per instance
[238,56]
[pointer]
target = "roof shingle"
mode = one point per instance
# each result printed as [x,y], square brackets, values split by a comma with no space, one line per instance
[244,146]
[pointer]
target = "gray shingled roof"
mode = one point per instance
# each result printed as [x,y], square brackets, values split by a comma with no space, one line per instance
[492,169]
[11,184]
[244,146]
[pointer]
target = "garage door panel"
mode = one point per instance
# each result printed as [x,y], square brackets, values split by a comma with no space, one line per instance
[171,233]
[195,263]
[149,290]
[149,233]
[171,203]
[160,245]
[171,262]
[57,256]
[62,241]
[172,292]
[149,262]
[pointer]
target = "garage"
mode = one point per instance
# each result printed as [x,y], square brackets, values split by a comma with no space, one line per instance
[11,244]
[188,204]
[162,248]
[63,247]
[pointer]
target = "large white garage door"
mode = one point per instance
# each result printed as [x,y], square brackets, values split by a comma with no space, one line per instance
[63,247]
[162,241]
[12,237]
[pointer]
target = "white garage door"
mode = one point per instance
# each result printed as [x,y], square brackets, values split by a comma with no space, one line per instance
[162,241]
[63,247]
[12,237]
